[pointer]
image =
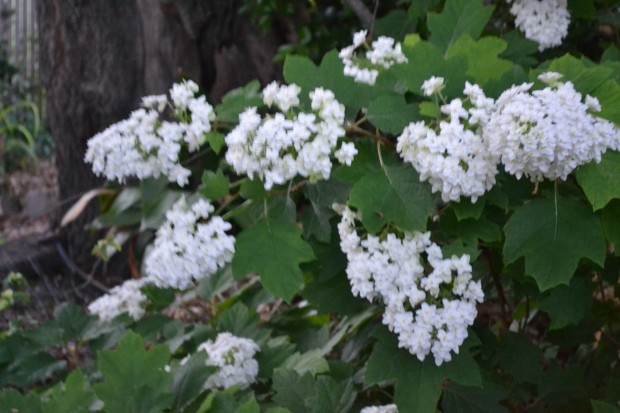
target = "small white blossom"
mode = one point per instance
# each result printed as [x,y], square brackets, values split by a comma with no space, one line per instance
[430,310]
[382,54]
[125,298]
[455,159]
[547,133]
[234,358]
[145,145]
[346,153]
[279,147]
[189,246]
[388,408]
[433,85]
[543,21]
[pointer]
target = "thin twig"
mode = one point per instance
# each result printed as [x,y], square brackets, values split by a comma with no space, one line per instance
[361,11]
[75,270]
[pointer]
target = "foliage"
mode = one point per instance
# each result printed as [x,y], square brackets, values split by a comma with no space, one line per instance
[545,253]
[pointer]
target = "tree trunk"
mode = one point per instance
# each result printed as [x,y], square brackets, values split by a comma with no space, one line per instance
[98,58]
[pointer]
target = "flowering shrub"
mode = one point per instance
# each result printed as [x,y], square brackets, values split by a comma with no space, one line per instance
[416,224]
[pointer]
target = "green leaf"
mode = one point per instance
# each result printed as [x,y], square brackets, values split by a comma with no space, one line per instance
[599,181]
[309,362]
[578,293]
[430,110]
[74,395]
[466,399]
[214,186]
[329,75]
[452,69]
[393,194]
[553,241]
[274,250]
[520,50]
[216,141]
[391,113]
[75,324]
[602,407]
[396,24]
[12,401]
[156,199]
[560,386]
[293,389]
[418,385]
[241,322]
[484,65]
[520,358]
[238,100]
[253,189]
[331,396]
[608,95]
[467,209]
[134,378]
[458,18]
[190,379]
[611,223]
[585,79]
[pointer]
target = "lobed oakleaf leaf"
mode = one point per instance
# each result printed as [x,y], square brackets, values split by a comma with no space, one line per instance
[578,293]
[392,194]
[74,395]
[602,407]
[467,399]
[553,240]
[484,65]
[458,18]
[599,180]
[391,113]
[418,385]
[134,378]
[274,250]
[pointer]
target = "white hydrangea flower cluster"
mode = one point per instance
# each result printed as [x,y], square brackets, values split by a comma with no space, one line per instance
[430,300]
[454,160]
[388,408]
[384,53]
[234,358]
[276,148]
[189,246]
[548,133]
[543,21]
[145,145]
[124,298]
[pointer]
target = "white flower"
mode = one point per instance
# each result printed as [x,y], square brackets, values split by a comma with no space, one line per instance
[550,78]
[189,246]
[234,358]
[543,21]
[455,160]
[278,148]
[145,145]
[359,38]
[124,298]
[547,133]
[433,85]
[383,54]
[430,310]
[346,153]
[388,408]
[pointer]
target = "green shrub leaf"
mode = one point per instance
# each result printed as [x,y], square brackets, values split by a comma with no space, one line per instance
[393,194]
[134,378]
[599,181]
[553,241]
[274,250]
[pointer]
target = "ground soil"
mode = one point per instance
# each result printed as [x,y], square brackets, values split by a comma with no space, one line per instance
[29,209]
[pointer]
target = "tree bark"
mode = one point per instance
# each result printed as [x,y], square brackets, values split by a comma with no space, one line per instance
[98,58]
